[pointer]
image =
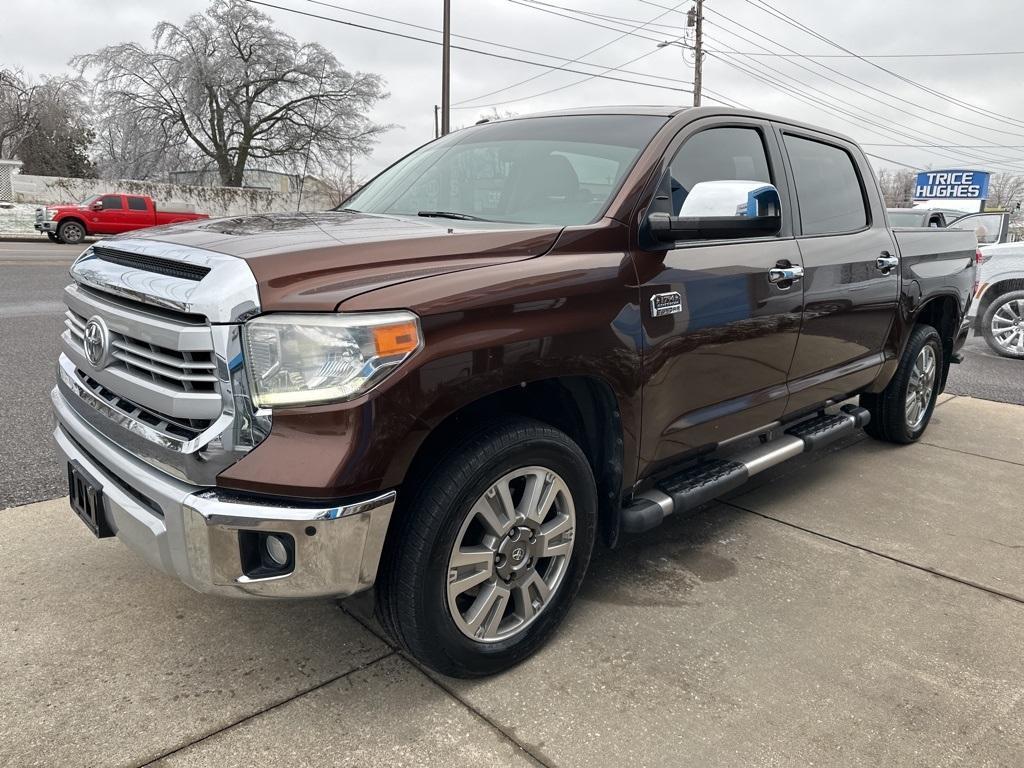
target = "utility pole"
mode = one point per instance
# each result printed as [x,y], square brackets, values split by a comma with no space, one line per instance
[698,51]
[446,55]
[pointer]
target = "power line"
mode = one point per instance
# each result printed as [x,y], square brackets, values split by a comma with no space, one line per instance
[960,54]
[888,121]
[886,130]
[573,61]
[495,43]
[944,115]
[465,49]
[800,96]
[803,27]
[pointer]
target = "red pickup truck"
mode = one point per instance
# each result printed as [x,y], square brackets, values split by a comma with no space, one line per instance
[105,215]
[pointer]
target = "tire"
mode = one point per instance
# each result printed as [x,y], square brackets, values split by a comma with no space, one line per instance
[1002,325]
[71,232]
[504,616]
[53,237]
[900,413]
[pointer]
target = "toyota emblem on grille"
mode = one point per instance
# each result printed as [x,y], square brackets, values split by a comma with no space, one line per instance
[96,341]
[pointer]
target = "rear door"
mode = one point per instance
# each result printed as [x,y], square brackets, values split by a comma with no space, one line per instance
[851,272]
[137,213]
[716,363]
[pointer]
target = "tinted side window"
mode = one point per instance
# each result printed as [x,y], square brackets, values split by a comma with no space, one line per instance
[718,154]
[112,203]
[136,204]
[828,189]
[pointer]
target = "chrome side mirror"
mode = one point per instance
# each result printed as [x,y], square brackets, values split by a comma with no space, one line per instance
[722,209]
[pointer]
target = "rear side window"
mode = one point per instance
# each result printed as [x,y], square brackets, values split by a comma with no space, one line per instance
[112,203]
[718,154]
[828,189]
[136,203]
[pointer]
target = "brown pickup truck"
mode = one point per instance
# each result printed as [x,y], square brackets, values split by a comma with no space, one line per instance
[519,339]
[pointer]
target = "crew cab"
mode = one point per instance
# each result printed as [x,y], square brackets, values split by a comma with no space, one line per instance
[521,338]
[111,214]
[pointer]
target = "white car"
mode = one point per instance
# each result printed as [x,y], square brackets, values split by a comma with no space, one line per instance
[998,309]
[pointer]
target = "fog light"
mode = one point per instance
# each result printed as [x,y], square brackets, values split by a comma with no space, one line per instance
[277,550]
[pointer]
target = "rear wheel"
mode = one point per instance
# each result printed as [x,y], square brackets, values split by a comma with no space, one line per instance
[71,232]
[1003,325]
[490,550]
[900,413]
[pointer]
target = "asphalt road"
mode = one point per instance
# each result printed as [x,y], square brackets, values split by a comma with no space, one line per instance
[986,375]
[31,278]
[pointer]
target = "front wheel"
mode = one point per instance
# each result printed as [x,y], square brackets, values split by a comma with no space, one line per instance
[490,549]
[1002,325]
[900,413]
[71,232]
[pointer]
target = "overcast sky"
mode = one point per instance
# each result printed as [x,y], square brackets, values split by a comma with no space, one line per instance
[41,35]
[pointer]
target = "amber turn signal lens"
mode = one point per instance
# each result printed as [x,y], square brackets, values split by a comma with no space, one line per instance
[396,339]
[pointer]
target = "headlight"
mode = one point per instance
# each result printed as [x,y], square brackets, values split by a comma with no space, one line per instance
[49,214]
[306,359]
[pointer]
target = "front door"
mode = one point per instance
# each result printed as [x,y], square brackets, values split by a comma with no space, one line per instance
[716,363]
[851,270]
[109,219]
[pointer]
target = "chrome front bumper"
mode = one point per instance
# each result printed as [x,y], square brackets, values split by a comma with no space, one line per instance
[46,226]
[193,533]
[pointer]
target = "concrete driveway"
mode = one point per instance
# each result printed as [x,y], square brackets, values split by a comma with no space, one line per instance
[861,607]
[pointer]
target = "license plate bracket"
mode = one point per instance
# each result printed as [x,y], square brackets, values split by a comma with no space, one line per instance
[87,500]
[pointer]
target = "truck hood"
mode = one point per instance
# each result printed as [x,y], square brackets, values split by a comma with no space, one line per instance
[315,261]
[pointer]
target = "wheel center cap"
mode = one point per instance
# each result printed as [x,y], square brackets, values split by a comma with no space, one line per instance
[514,551]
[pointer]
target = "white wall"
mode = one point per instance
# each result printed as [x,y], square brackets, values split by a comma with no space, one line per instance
[215,201]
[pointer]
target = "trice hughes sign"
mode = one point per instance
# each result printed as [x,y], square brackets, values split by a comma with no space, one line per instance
[951,185]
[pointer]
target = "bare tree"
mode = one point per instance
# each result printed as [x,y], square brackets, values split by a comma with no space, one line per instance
[1006,191]
[45,124]
[897,187]
[239,91]
[130,145]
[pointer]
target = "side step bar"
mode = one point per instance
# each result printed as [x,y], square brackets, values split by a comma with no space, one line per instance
[710,479]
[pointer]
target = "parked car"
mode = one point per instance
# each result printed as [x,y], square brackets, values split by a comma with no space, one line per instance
[998,309]
[521,337]
[922,217]
[106,215]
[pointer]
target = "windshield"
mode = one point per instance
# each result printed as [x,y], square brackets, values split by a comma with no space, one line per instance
[907,218]
[548,170]
[90,199]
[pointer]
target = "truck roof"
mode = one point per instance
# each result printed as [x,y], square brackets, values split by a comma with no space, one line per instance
[669,111]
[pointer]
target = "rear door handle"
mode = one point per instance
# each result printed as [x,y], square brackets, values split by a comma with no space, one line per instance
[887,261]
[785,274]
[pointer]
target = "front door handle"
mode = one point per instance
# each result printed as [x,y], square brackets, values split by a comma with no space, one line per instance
[886,261]
[785,274]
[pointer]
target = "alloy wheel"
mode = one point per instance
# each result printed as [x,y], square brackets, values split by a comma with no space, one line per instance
[511,554]
[1008,326]
[921,386]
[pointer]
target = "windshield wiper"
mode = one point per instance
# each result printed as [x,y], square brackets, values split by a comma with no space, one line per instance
[450,215]
[348,210]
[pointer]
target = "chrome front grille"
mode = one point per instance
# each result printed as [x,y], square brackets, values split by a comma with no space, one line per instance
[170,384]
[188,371]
